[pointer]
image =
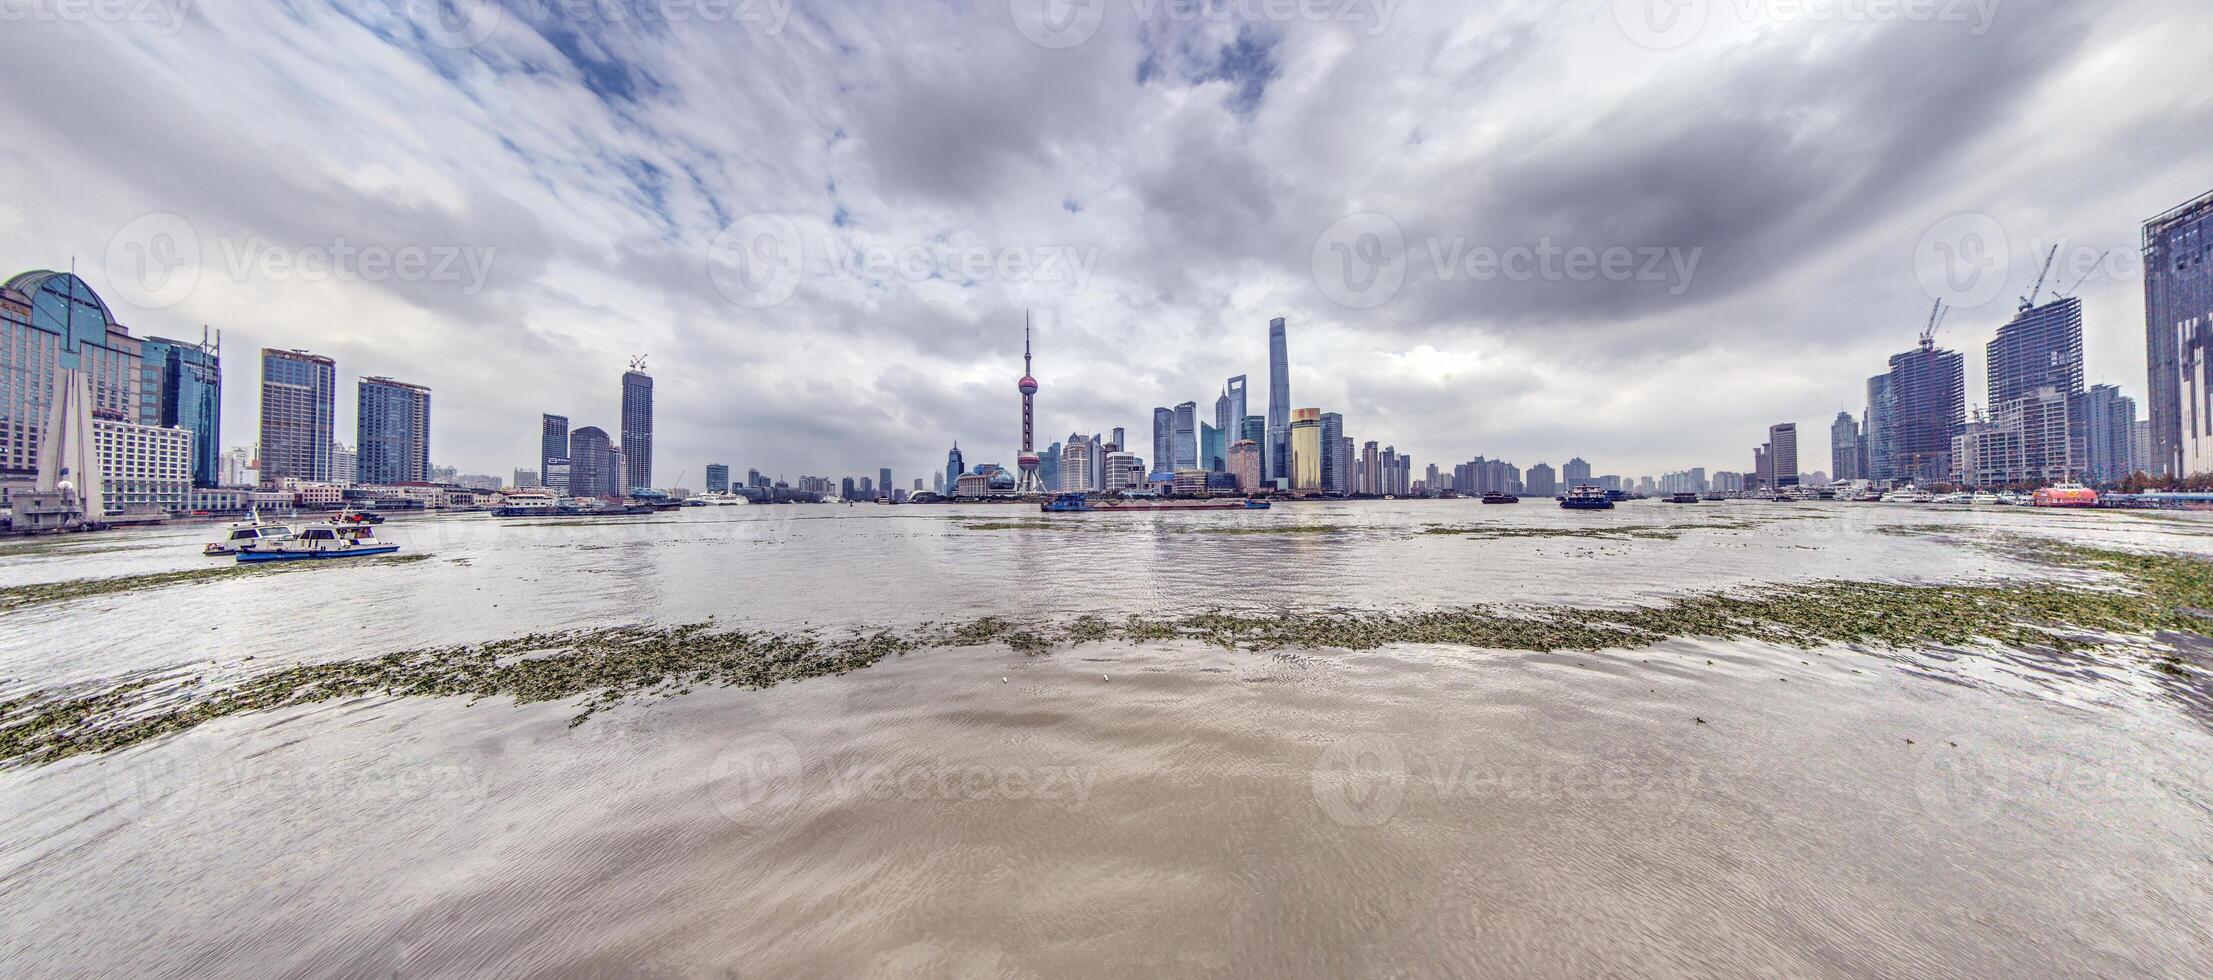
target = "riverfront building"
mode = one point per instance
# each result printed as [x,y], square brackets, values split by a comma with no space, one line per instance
[392,427]
[553,452]
[51,322]
[592,470]
[1306,450]
[181,385]
[299,409]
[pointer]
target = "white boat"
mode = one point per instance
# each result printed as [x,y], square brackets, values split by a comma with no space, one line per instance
[320,541]
[714,499]
[248,535]
[1984,498]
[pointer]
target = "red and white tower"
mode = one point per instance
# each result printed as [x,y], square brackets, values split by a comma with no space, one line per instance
[1028,385]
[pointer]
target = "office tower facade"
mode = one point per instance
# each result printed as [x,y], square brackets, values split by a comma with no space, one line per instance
[883,482]
[1164,439]
[592,470]
[1782,459]
[1371,469]
[1230,421]
[1845,451]
[1336,454]
[2105,421]
[1185,436]
[1244,464]
[1213,449]
[2178,303]
[1306,450]
[1075,464]
[392,432]
[1928,397]
[1877,433]
[1278,450]
[1124,471]
[553,452]
[299,407]
[1763,472]
[181,385]
[954,467]
[718,478]
[52,322]
[1048,467]
[637,427]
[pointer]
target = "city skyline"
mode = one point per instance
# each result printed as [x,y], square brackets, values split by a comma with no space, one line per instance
[1799,255]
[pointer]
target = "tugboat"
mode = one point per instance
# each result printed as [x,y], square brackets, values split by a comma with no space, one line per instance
[1495,497]
[1586,498]
[318,542]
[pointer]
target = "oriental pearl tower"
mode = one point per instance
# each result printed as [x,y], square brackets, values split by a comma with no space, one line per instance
[1028,387]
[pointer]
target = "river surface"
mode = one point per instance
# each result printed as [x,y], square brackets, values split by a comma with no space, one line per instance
[1122,808]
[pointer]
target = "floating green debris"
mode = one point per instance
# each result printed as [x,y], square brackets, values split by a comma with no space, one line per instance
[18,596]
[606,667]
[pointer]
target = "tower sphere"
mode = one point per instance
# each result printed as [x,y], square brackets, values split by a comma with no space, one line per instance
[1027,384]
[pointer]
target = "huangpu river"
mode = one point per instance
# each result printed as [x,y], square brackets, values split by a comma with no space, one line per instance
[1358,739]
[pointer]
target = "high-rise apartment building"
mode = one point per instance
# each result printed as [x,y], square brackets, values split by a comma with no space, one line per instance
[299,409]
[637,427]
[1576,473]
[1928,402]
[2178,305]
[2105,421]
[1846,455]
[392,426]
[1876,431]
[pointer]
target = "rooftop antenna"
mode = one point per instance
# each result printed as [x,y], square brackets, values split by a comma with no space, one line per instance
[637,363]
[1936,319]
[2029,302]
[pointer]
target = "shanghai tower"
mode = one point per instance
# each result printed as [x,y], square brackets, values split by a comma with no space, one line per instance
[1278,465]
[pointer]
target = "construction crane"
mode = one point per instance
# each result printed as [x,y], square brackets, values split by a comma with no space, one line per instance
[1936,319]
[2079,280]
[2029,302]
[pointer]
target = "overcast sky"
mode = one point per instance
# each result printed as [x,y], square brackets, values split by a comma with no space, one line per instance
[1639,232]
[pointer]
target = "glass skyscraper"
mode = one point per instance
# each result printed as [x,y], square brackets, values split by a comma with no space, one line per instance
[553,452]
[591,464]
[1928,391]
[52,322]
[182,385]
[1186,443]
[1278,462]
[299,408]
[392,432]
[1336,455]
[637,428]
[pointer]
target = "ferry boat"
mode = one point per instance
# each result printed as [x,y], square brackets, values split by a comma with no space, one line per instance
[248,535]
[716,499]
[1682,498]
[2065,495]
[1586,498]
[1495,497]
[527,503]
[322,542]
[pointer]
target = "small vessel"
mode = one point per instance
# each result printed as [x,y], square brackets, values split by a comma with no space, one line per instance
[248,535]
[1074,503]
[718,498]
[321,542]
[1495,497]
[527,503]
[1682,498]
[2065,495]
[1586,498]
[1984,498]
